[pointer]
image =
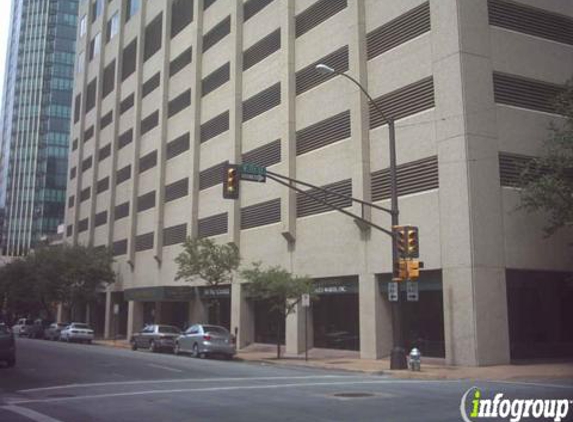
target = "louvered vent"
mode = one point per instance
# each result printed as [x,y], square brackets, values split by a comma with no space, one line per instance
[146,201]
[262,49]
[178,146]
[119,247]
[526,93]
[123,174]
[265,156]
[257,215]
[150,85]
[403,102]
[100,219]
[413,177]
[125,139]
[306,205]
[89,133]
[181,102]
[211,176]
[144,242]
[261,102]
[104,152]
[177,190]
[319,12]
[126,103]
[309,77]
[252,7]
[87,163]
[511,168]
[215,79]
[179,63]
[531,20]
[217,33]
[174,235]
[83,225]
[150,122]
[102,185]
[398,31]
[323,133]
[212,226]
[121,211]
[85,194]
[148,161]
[215,126]
[106,120]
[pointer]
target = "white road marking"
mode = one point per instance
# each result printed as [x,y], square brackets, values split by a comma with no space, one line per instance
[533,384]
[111,383]
[30,414]
[167,368]
[227,388]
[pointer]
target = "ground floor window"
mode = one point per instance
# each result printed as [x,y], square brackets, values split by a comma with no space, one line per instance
[267,322]
[220,312]
[336,321]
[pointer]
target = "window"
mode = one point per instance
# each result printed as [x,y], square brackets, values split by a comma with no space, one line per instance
[108,79]
[83,26]
[149,122]
[132,8]
[97,8]
[129,54]
[217,33]
[152,40]
[77,106]
[95,46]
[180,61]
[80,62]
[112,27]
[179,103]
[126,103]
[150,85]
[91,95]
[181,15]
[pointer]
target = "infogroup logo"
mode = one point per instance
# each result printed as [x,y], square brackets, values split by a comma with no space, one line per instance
[512,409]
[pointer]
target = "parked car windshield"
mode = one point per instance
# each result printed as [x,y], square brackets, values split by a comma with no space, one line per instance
[215,330]
[170,330]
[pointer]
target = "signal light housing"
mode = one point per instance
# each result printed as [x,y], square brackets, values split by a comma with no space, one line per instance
[412,242]
[231,180]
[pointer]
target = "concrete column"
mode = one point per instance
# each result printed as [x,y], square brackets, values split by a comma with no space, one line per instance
[59,312]
[242,316]
[108,315]
[471,215]
[158,313]
[134,317]
[375,319]
[88,313]
[295,330]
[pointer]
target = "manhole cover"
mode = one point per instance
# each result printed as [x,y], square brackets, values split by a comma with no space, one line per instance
[353,395]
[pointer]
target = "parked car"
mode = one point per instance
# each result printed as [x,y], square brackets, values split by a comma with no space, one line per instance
[7,346]
[22,327]
[77,331]
[37,329]
[202,340]
[53,331]
[155,338]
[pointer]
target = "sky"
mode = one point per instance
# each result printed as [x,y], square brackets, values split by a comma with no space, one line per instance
[4,28]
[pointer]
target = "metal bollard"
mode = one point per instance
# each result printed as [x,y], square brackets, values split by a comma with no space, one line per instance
[414,359]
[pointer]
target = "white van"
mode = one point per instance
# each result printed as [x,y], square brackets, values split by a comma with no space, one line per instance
[22,327]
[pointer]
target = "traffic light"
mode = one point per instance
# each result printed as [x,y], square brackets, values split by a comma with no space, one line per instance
[413,245]
[231,179]
[400,240]
[400,270]
[413,269]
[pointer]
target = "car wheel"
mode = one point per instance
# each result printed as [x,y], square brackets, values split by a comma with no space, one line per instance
[11,362]
[152,347]
[133,345]
[68,339]
[195,350]
[177,349]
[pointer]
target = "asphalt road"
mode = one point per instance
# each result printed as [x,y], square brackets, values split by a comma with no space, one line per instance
[58,382]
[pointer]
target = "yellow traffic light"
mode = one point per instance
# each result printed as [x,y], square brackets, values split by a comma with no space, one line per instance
[400,239]
[400,270]
[231,178]
[413,269]
[412,243]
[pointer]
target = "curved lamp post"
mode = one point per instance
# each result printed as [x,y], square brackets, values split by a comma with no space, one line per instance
[398,356]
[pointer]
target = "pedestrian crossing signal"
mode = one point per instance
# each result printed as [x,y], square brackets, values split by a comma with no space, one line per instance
[231,178]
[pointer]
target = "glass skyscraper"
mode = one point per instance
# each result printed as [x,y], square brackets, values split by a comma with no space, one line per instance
[35,120]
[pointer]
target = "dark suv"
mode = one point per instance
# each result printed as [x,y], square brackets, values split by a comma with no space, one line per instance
[7,346]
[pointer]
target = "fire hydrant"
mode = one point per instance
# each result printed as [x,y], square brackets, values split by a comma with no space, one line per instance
[414,359]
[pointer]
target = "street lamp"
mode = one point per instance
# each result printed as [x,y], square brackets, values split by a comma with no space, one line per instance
[398,355]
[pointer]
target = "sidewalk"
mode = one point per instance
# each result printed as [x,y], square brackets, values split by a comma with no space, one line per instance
[432,368]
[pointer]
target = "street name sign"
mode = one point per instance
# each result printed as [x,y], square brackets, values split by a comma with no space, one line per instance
[253,173]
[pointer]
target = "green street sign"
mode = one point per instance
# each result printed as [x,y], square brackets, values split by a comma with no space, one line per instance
[253,173]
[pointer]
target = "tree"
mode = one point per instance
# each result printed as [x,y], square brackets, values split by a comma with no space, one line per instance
[203,259]
[278,287]
[548,179]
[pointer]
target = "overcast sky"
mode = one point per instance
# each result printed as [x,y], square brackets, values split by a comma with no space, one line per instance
[4,28]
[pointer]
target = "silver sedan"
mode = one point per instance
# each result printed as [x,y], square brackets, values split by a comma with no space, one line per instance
[202,340]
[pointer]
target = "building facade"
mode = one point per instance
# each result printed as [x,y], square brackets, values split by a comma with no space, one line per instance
[167,91]
[36,120]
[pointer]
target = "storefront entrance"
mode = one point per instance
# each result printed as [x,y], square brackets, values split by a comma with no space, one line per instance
[217,301]
[267,322]
[335,314]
